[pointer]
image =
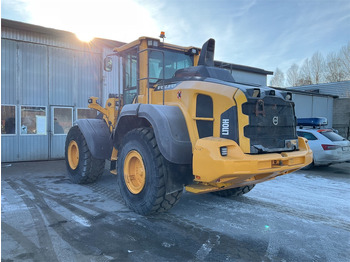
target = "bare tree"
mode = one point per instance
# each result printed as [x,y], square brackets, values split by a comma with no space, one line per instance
[334,68]
[317,68]
[344,56]
[278,79]
[305,74]
[292,75]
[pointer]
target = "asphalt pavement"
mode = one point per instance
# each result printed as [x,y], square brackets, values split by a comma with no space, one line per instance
[303,216]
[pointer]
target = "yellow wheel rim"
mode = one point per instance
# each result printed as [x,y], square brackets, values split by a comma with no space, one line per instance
[73,154]
[134,172]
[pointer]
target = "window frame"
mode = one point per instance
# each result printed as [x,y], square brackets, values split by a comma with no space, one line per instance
[53,119]
[128,69]
[164,52]
[46,122]
[16,120]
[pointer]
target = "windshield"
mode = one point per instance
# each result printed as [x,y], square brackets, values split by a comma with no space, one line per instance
[172,61]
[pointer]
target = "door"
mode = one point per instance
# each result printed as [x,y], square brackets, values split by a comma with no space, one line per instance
[130,91]
[61,122]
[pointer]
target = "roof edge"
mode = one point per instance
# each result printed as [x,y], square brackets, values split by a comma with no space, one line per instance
[52,31]
[301,92]
[242,68]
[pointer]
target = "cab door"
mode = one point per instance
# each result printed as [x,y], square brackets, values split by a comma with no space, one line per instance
[130,86]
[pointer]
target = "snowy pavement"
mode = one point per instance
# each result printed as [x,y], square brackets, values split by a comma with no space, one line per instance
[303,216]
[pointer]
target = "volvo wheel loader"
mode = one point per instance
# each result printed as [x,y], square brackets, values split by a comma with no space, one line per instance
[177,121]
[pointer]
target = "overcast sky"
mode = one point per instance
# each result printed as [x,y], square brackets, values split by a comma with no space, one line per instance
[259,33]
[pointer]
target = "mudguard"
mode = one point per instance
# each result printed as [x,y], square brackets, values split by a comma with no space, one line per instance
[97,136]
[169,126]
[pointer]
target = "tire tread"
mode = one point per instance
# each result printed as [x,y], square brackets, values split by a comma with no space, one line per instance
[162,201]
[89,168]
[234,192]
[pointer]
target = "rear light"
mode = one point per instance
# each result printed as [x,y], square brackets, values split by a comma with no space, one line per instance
[324,130]
[330,147]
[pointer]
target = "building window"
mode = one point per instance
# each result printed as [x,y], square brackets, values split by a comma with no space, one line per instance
[33,120]
[62,120]
[8,120]
[84,113]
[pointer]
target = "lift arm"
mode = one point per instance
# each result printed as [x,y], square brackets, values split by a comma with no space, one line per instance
[109,112]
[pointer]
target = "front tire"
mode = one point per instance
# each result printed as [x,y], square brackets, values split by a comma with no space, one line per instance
[234,192]
[142,172]
[82,167]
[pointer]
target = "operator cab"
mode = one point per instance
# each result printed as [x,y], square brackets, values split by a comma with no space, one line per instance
[147,61]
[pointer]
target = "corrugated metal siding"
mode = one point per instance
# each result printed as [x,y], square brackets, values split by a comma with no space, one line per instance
[33,69]
[57,146]
[42,70]
[9,143]
[9,148]
[89,79]
[33,147]
[48,68]
[33,91]
[48,40]
[8,71]
[110,79]
[61,76]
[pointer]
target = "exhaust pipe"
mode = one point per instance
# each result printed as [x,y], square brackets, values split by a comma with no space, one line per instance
[206,57]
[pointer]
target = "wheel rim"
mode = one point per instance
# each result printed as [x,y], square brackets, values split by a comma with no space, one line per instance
[134,172]
[73,154]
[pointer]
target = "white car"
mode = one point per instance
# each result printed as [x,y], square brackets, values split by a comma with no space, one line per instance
[327,146]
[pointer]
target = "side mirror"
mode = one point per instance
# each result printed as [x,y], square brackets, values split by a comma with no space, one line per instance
[108,64]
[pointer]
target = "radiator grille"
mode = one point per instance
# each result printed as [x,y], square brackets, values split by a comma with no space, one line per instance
[271,122]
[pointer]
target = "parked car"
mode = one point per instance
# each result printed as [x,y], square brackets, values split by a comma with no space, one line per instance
[327,146]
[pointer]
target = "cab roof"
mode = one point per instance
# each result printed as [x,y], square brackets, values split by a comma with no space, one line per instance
[161,44]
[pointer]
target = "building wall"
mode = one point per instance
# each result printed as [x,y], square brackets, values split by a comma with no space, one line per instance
[340,89]
[314,106]
[340,108]
[249,77]
[44,78]
[341,116]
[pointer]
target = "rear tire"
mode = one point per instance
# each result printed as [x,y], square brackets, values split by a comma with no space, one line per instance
[142,172]
[234,192]
[82,167]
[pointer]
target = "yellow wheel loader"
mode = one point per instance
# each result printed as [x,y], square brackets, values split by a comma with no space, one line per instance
[177,121]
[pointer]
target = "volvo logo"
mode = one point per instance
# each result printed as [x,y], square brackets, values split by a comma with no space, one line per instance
[275,120]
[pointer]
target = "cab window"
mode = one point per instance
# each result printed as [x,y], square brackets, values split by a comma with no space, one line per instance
[164,63]
[130,79]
